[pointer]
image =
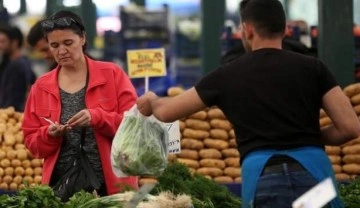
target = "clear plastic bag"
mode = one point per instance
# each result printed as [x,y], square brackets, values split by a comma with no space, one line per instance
[140,146]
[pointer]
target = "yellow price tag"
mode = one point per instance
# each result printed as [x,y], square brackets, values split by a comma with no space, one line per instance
[146,63]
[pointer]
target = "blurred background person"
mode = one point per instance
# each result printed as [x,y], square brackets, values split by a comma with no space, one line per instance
[39,44]
[17,75]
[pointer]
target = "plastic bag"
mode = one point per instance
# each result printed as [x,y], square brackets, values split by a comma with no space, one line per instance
[140,146]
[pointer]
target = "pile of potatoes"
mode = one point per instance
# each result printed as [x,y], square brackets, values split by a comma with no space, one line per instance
[16,162]
[208,145]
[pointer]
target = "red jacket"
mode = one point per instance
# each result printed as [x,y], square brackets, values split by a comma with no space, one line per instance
[108,95]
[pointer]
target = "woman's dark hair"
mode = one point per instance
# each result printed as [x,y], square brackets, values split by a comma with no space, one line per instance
[62,20]
[268,16]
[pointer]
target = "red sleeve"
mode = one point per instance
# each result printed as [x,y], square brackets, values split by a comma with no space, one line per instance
[37,140]
[107,123]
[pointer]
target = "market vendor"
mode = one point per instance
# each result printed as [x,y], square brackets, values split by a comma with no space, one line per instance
[273,98]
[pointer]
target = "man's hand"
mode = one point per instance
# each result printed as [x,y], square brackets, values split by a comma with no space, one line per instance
[57,130]
[144,103]
[82,119]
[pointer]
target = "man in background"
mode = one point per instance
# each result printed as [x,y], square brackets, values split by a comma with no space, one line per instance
[17,75]
[39,44]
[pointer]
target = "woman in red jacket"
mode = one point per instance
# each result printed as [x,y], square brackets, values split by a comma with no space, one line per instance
[79,93]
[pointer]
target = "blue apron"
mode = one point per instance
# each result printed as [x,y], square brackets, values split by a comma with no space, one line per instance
[313,159]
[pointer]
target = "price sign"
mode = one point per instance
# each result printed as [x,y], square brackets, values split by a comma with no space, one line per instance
[174,137]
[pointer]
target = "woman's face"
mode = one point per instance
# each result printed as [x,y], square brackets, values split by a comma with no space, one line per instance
[66,46]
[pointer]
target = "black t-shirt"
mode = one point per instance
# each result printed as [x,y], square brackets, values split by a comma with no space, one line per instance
[271,96]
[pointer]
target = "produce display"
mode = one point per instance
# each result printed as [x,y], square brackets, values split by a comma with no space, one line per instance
[177,188]
[16,163]
[208,145]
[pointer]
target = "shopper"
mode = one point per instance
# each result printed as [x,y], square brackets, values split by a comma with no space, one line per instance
[79,95]
[39,44]
[16,73]
[272,97]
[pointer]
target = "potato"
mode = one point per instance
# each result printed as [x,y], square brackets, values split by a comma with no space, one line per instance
[337,168]
[19,146]
[219,134]
[182,125]
[28,179]
[355,99]
[197,124]
[19,171]
[357,109]
[5,163]
[4,186]
[36,163]
[353,149]
[335,159]
[2,172]
[232,172]
[18,179]
[212,163]
[232,162]
[232,143]
[2,128]
[210,171]
[191,144]
[37,179]
[231,152]
[173,91]
[201,115]
[221,124]
[332,150]
[195,134]
[237,180]
[19,138]
[232,133]
[216,144]
[188,154]
[26,163]
[2,154]
[11,154]
[210,153]
[351,168]
[172,157]
[223,179]
[216,113]
[21,186]
[348,159]
[13,186]
[189,162]
[352,89]
[38,171]
[29,171]
[322,113]
[22,154]
[9,139]
[325,121]
[7,179]
[9,171]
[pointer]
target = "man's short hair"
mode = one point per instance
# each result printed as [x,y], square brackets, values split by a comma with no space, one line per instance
[13,33]
[35,34]
[268,16]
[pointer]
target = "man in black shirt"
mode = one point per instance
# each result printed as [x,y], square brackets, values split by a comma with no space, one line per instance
[273,98]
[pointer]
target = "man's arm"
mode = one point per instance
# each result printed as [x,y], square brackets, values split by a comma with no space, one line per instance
[169,109]
[346,125]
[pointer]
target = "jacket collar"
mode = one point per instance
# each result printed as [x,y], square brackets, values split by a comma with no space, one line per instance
[50,80]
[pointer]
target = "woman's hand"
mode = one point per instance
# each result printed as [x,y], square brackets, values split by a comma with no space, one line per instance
[144,103]
[57,130]
[80,119]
